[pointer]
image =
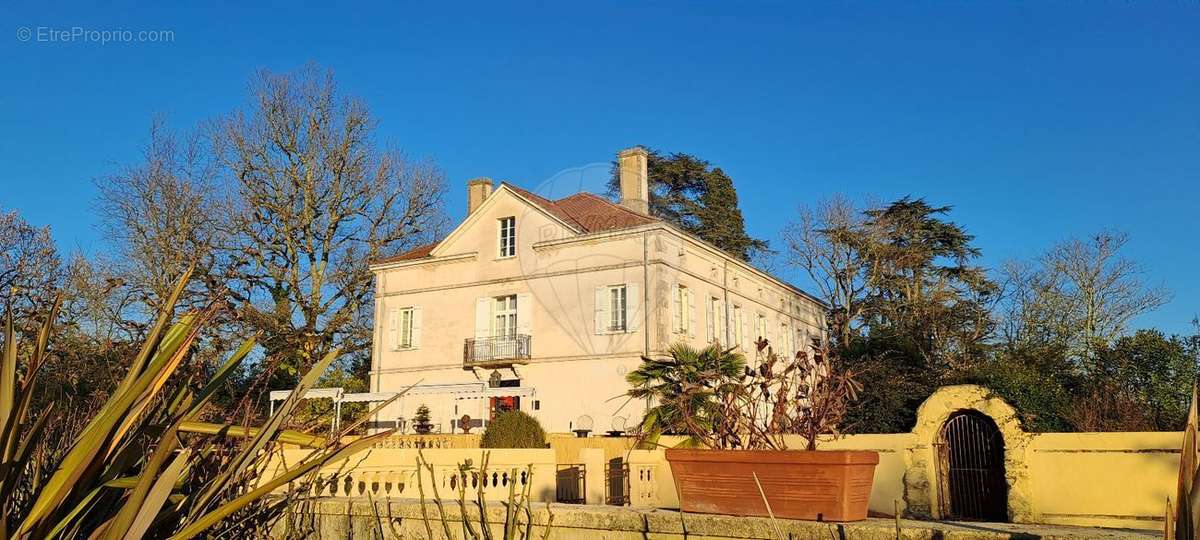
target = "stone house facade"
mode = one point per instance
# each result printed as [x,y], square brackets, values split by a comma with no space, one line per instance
[544,305]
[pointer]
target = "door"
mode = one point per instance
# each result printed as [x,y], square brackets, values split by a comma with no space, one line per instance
[971,468]
[501,404]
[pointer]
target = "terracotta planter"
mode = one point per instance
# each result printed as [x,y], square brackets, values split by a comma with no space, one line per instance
[817,485]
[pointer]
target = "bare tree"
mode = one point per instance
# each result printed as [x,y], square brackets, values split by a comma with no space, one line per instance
[30,269]
[311,200]
[98,303]
[160,216]
[1081,292]
[825,243]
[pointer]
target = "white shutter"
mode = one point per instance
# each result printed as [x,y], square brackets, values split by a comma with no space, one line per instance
[691,312]
[601,310]
[719,322]
[483,318]
[730,337]
[676,308]
[416,327]
[710,319]
[524,314]
[633,307]
[393,325]
[746,339]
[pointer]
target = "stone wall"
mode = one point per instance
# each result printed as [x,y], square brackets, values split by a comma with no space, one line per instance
[394,519]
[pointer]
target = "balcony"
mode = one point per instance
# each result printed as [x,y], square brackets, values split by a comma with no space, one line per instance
[496,352]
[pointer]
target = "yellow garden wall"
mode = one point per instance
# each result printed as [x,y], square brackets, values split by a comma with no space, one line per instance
[1119,480]
[1103,479]
[1096,479]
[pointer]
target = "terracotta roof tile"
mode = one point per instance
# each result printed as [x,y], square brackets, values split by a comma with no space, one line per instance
[595,213]
[419,252]
[546,204]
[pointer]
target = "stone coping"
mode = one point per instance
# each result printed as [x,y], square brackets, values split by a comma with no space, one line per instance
[355,518]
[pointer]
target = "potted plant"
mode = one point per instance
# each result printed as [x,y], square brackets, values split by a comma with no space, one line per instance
[421,422]
[736,420]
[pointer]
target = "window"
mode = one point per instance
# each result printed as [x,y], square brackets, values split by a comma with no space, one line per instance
[714,320]
[617,308]
[504,316]
[739,333]
[404,328]
[617,305]
[508,237]
[760,327]
[682,313]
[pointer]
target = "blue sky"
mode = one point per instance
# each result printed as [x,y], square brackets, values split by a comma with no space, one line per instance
[1037,121]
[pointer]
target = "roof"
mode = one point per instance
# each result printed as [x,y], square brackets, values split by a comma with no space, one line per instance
[413,254]
[587,212]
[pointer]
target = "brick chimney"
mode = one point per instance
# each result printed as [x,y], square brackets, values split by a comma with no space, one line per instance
[478,190]
[635,182]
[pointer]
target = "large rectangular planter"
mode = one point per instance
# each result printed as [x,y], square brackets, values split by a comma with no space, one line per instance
[799,484]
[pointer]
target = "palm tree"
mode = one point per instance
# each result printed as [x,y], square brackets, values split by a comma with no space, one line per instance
[691,389]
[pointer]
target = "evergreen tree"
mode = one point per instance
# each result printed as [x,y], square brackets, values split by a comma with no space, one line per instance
[720,220]
[689,193]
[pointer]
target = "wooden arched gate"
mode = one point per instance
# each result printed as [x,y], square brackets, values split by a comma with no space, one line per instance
[971,479]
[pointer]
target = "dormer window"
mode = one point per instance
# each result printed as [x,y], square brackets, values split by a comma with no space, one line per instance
[508,237]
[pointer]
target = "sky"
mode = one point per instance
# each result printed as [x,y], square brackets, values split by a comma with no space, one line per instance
[1036,121]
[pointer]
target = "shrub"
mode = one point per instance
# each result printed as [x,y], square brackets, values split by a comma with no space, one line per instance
[421,421]
[513,429]
[713,398]
[144,465]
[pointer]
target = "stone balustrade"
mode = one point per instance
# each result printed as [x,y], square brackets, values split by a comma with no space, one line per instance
[387,472]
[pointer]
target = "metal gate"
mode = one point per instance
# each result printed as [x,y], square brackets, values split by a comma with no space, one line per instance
[616,482]
[571,483]
[971,463]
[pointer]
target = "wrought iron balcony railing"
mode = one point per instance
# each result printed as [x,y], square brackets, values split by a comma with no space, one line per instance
[496,351]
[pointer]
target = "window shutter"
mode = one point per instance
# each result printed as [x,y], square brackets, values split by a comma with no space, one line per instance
[393,329]
[730,337]
[710,319]
[601,310]
[633,307]
[719,322]
[691,312]
[746,339]
[524,314]
[676,308]
[483,318]
[416,327]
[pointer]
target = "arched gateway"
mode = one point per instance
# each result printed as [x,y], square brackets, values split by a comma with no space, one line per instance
[970,462]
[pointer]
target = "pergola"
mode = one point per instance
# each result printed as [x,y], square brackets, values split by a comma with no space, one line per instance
[338,396]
